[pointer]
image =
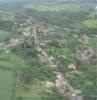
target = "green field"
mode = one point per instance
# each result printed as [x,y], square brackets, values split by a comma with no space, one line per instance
[4,35]
[93,44]
[6,85]
[59,7]
[91,23]
[3,17]
[11,62]
[59,52]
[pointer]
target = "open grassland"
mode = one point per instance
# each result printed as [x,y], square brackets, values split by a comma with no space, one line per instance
[6,85]
[91,23]
[59,7]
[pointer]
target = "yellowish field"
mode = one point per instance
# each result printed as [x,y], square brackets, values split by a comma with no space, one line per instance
[92,23]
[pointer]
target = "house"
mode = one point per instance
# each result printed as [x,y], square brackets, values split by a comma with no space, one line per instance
[60,83]
[49,84]
[84,40]
[72,67]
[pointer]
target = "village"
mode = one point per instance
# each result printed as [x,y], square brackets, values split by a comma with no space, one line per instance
[32,29]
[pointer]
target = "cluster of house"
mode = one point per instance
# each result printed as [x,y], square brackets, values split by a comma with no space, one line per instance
[87,51]
[60,83]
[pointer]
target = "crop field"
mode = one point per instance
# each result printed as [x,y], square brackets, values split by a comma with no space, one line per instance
[6,85]
[91,23]
[59,7]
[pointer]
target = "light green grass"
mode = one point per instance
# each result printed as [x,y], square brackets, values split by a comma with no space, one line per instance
[58,7]
[6,85]
[92,23]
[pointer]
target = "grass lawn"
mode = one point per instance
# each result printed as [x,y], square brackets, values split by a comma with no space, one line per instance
[59,7]
[92,23]
[6,85]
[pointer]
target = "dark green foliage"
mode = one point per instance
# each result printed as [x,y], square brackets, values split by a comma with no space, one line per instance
[26,76]
[41,71]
